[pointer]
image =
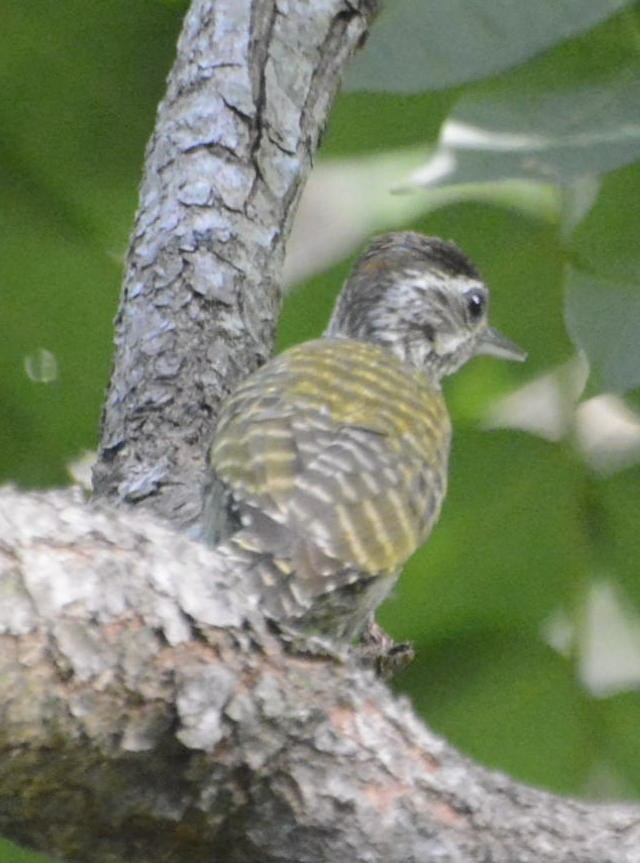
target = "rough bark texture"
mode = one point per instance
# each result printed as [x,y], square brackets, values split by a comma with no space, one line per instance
[246,103]
[144,718]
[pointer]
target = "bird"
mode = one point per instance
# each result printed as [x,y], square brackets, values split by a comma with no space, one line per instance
[328,465]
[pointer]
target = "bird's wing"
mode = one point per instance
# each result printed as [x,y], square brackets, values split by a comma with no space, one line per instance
[332,477]
[365,502]
[326,498]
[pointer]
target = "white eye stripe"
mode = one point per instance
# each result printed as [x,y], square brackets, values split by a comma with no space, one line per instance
[448,343]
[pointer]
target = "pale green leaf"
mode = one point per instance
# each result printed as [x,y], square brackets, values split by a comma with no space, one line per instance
[431,44]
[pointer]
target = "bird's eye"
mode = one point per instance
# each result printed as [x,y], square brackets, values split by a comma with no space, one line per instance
[476,304]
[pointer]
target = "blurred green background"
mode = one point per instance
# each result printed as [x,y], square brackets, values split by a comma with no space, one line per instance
[513,129]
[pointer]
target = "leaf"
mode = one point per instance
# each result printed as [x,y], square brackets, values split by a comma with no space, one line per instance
[605,243]
[603,319]
[568,114]
[602,307]
[421,45]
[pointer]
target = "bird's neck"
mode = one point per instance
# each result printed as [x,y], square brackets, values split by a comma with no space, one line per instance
[416,353]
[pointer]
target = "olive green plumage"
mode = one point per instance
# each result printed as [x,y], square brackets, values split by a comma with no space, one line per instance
[330,462]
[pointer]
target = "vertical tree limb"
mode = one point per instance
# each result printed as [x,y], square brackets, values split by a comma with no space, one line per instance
[246,103]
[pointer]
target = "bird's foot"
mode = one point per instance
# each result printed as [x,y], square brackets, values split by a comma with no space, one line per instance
[380,652]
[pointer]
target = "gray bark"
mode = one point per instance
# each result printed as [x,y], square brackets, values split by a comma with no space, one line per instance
[145,718]
[246,103]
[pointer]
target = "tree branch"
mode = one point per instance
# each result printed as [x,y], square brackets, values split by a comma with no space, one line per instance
[246,103]
[144,718]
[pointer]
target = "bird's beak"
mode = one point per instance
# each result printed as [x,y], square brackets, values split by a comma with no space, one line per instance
[496,345]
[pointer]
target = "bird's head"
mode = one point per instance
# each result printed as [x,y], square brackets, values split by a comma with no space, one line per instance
[423,300]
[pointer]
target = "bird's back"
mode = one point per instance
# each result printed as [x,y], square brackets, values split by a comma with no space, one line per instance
[332,459]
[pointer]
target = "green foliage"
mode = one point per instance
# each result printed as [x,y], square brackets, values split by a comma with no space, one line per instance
[423,45]
[532,526]
[79,84]
[602,297]
[10,853]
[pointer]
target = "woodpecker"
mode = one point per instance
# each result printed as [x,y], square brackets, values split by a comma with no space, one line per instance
[329,463]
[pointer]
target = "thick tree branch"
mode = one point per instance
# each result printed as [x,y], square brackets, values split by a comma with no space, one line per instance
[246,103]
[145,719]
